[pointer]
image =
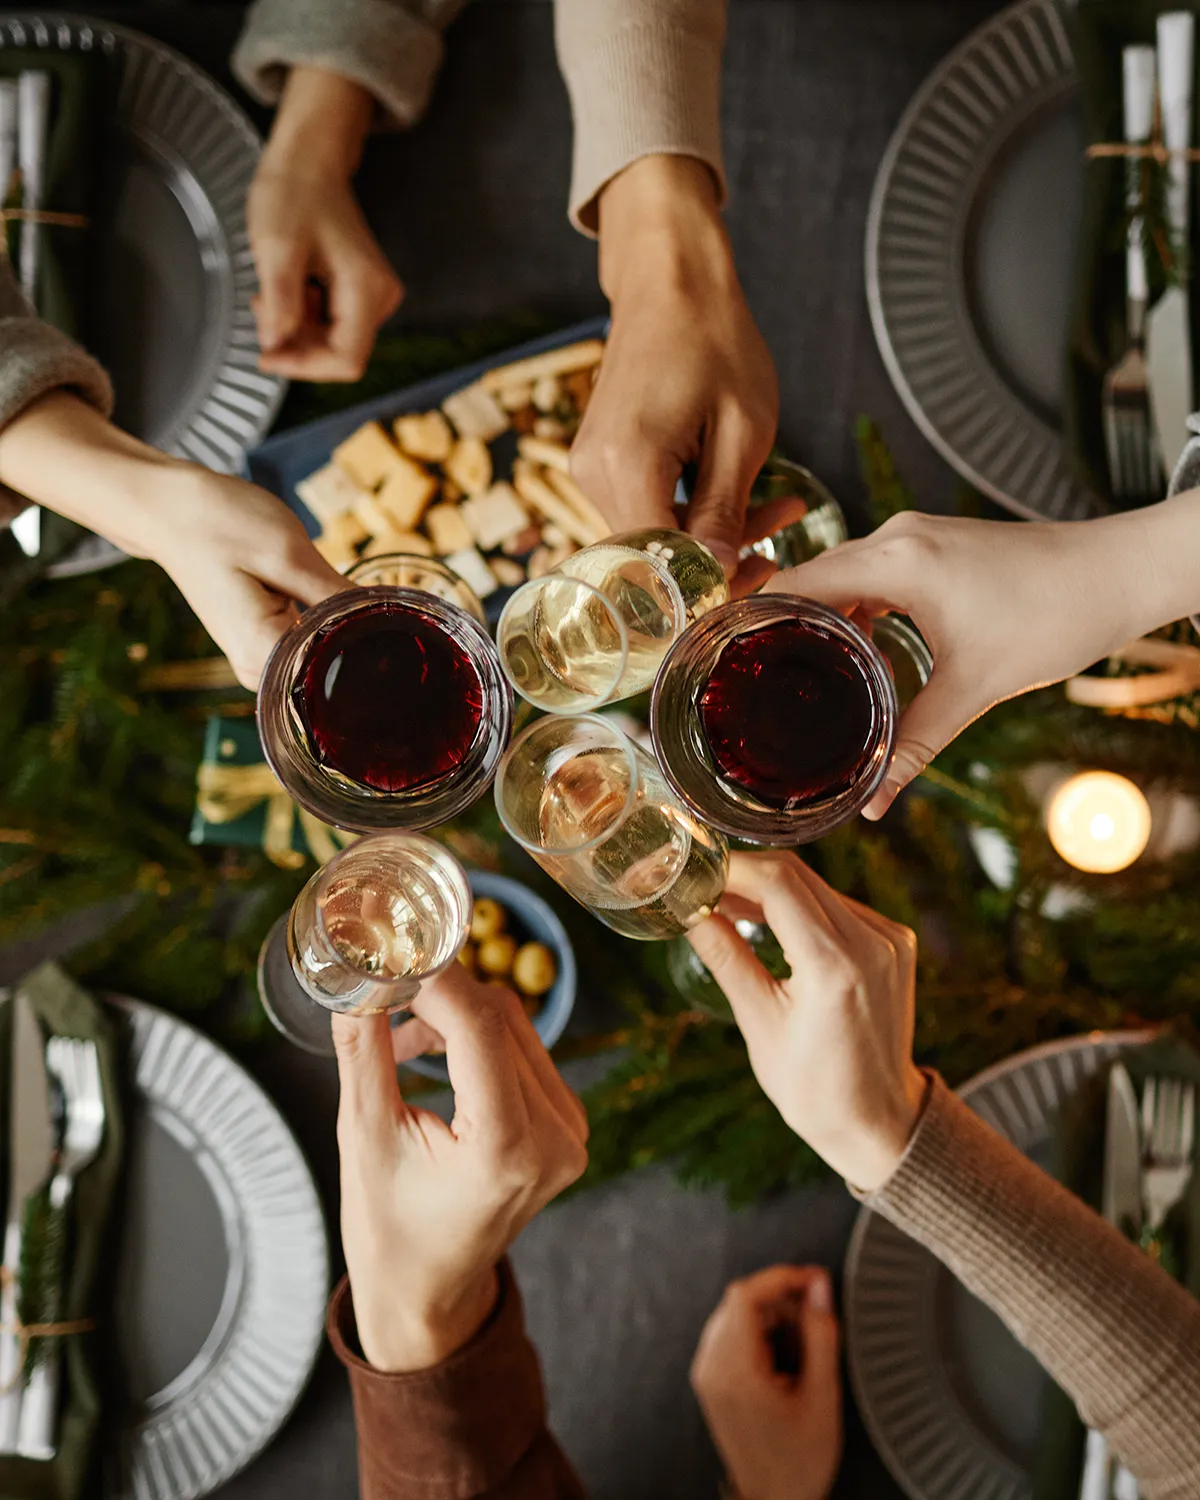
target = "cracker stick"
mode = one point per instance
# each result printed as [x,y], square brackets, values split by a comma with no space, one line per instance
[569,491]
[554,362]
[538,495]
[540,451]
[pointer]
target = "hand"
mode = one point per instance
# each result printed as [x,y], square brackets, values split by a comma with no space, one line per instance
[242,560]
[429,1208]
[831,1045]
[1006,607]
[325,287]
[686,375]
[237,553]
[779,1435]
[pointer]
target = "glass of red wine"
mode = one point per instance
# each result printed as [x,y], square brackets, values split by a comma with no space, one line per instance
[383,708]
[774,719]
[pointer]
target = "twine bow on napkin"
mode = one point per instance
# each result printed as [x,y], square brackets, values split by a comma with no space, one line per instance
[25,1333]
[1176,672]
[225,793]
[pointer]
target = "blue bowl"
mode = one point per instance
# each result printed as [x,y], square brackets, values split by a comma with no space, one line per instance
[537,923]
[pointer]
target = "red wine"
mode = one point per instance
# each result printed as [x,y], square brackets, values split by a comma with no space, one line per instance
[389,699]
[788,714]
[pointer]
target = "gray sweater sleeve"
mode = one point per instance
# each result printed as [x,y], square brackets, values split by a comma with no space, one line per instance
[35,358]
[393,48]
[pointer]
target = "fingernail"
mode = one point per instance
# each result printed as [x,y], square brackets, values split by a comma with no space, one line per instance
[820,1293]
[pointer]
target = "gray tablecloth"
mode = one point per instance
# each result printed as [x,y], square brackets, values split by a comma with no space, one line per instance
[471,208]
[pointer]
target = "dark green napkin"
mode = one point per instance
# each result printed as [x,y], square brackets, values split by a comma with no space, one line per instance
[1080,1165]
[1097,331]
[64,1009]
[70,181]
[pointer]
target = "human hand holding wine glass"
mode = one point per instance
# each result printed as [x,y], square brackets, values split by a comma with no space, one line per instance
[767,1378]
[428,1209]
[1005,607]
[831,1045]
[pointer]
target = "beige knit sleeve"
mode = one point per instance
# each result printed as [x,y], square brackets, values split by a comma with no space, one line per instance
[644,78]
[1113,1329]
[36,358]
[393,48]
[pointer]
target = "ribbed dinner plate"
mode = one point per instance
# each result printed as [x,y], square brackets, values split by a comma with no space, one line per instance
[950,1399]
[223,1268]
[970,257]
[170,314]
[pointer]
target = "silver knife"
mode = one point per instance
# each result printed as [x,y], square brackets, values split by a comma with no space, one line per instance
[1122,1206]
[31,1152]
[1168,336]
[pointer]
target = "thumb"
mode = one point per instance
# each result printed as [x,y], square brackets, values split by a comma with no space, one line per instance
[731,458]
[939,712]
[731,961]
[820,1382]
[370,1101]
[280,305]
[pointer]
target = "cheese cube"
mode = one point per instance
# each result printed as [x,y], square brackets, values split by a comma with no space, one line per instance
[339,539]
[473,571]
[406,490]
[424,435]
[508,572]
[447,530]
[366,455]
[470,466]
[328,493]
[495,515]
[476,413]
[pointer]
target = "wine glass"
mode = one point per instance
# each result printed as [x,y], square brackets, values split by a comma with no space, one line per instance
[386,913]
[384,707]
[406,570]
[594,811]
[774,719]
[595,629]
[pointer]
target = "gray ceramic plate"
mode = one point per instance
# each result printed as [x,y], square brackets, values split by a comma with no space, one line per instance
[971,242]
[223,1269]
[951,1400]
[175,328]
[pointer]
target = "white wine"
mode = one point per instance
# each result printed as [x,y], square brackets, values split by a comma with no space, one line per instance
[363,927]
[652,870]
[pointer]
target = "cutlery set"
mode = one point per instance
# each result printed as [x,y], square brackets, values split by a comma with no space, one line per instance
[1147,395]
[24,141]
[50,1145]
[1148,1163]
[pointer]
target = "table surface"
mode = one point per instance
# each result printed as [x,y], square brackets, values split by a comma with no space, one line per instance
[470,206]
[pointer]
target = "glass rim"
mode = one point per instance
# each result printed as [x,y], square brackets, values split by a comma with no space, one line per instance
[474,604]
[589,702]
[343,804]
[720,807]
[449,862]
[620,741]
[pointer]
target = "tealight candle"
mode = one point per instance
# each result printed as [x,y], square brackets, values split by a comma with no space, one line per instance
[1098,821]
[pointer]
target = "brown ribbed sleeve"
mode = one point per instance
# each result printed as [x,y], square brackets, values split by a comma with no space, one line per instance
[36,358]
[471,1428]
[1111,1327]
[644,78]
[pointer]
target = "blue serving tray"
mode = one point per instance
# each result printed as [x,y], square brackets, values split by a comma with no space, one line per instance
[288,457]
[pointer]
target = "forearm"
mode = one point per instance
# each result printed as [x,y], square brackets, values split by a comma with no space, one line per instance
[321,127]
[1113,1329]
[1171,533]
[64,454]
[644,78]
[474,1425]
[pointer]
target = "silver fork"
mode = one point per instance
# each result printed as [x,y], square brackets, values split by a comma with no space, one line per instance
[1134,469]
[1169,1137]
[75,1065]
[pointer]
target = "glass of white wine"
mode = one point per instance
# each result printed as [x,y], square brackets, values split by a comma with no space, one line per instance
[386,913]
[595,812]
[595,629]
